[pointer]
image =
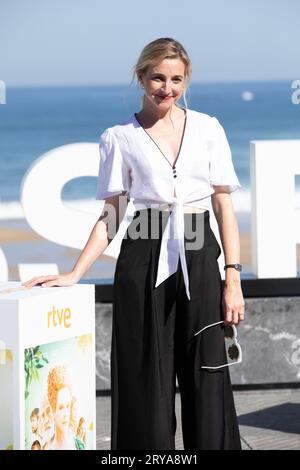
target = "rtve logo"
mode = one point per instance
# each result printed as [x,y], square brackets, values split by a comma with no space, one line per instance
[59,317]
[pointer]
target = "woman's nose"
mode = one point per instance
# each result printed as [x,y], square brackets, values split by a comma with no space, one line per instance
[167,86]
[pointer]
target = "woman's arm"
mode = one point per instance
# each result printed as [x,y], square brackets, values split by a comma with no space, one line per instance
[233,301]
[98,241]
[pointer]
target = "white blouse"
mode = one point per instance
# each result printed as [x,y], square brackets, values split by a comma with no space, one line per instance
[131,161]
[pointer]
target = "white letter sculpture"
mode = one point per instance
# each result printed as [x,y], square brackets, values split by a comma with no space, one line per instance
[41,196]
[275,223]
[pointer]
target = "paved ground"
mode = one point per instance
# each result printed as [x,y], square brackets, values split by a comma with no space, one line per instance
[268,420]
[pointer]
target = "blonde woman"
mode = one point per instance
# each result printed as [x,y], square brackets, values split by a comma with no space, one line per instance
[172,162]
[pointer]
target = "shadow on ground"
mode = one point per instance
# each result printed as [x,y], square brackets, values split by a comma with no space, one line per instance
[284,418]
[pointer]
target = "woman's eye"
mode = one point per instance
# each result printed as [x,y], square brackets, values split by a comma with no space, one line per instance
[175,80]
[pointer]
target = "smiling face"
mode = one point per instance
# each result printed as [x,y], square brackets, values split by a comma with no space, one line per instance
[164,83]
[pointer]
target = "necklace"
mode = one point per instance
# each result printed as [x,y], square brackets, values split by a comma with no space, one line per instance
[182,138]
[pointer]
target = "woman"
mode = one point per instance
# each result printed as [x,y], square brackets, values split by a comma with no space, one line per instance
[172,162]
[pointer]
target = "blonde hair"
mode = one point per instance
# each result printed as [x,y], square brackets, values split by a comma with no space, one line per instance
[158,50]
[58,378]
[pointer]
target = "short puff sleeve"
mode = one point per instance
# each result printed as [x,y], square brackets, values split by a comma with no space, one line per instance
[114,174]
[220,159]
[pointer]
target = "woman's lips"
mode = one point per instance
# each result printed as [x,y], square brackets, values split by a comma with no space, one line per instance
[165,97]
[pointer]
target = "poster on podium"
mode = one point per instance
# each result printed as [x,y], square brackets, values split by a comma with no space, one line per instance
[47,367]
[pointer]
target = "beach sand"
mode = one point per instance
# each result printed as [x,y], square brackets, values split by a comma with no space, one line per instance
[8,235]
[21,244]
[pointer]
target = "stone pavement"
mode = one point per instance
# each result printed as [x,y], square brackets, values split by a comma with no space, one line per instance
[268,420]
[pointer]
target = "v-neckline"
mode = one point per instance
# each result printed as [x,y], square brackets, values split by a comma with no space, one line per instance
[181,141]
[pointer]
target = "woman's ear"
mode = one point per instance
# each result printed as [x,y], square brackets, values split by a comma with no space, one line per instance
[140,78]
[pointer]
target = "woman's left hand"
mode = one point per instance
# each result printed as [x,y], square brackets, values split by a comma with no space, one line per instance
[233,304]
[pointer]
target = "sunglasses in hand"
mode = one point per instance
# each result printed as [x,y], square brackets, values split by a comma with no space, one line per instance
[233,348]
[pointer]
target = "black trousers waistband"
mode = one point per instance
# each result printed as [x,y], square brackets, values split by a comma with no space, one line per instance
[150,211]
[151,224]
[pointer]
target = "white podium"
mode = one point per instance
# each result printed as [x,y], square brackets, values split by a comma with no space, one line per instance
[47,367]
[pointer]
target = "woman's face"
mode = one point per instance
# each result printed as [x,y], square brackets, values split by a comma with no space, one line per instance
[164,83]
[46,417]
[63,409]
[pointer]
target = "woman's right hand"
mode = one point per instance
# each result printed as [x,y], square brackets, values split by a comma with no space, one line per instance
[59,280]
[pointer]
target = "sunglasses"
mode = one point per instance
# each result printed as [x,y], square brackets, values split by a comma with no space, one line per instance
[233,348]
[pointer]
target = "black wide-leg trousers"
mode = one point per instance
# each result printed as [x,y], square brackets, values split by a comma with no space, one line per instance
[153,342]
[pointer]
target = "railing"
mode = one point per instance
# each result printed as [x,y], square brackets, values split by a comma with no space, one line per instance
[252,288]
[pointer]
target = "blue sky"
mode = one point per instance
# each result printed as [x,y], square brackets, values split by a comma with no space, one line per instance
[95,42]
